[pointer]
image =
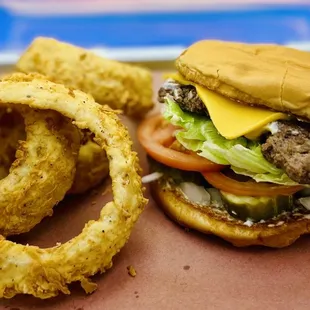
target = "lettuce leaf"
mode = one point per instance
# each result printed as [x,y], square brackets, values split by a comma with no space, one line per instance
[245,156]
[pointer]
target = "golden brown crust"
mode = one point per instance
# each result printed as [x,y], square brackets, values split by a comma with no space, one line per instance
[270,75]
[46,272]
[45,159]
[91,168]
[92,165]
[121,86]
[208,222]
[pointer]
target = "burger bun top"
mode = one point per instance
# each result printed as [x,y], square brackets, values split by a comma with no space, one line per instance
[272,76]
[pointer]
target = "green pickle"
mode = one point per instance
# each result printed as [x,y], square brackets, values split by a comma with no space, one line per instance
[256,208]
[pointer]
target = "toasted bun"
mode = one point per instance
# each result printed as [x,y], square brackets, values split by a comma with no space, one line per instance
[207,221]
[273,76]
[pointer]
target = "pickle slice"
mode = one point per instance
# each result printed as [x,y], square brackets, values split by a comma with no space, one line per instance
[256,208]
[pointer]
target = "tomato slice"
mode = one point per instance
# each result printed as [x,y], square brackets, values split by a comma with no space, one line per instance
[249,188]
[154,137]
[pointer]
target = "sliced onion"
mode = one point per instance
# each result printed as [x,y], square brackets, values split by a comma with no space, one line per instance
[248,223]
[152,177]
[215,196]
[195,193]
[305,201]
[273,127]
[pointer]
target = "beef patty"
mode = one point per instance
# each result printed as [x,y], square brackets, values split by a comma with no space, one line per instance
[184,95]
[289,149]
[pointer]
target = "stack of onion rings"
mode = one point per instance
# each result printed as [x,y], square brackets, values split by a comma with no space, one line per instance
[49,109]
[119,85]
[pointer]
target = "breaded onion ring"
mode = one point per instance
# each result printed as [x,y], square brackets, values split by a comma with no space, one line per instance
[119,85]
[45,272]
[92,163]
[12,129]
[92,167]
[46,159]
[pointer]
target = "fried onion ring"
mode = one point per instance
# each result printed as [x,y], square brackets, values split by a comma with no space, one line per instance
[119,85]
[45,272]
[46,159]
[12,129]
[92,167]
[92,164]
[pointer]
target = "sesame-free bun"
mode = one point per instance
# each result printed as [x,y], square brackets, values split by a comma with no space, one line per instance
[273,76]
[206,220]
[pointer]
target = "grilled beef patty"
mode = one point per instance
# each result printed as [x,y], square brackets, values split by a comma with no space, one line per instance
[289,149]
[184,95]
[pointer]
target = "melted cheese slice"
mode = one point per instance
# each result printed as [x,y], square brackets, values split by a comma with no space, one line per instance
[231,119]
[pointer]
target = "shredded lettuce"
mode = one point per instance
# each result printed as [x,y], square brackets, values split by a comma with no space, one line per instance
[245,157]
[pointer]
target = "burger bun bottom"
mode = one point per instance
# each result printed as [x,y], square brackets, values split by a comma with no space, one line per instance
[207,221]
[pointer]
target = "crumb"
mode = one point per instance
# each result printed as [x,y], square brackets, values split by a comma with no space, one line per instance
[71,92]
[186,267]
[93,202]
[107,190]
[131,271]
[58,243]
[83,56]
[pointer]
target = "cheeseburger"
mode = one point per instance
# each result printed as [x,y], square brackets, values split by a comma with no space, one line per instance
[230,152]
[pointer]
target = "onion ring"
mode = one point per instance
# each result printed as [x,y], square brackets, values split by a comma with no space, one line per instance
[47,157]
[45,272]
[121,86]
[92,167]
[12,129]
[92,164]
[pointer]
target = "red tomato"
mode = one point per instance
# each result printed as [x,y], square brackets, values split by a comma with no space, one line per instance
[154,137]
[249,188]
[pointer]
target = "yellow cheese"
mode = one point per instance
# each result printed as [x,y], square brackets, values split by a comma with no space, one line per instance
[231,119]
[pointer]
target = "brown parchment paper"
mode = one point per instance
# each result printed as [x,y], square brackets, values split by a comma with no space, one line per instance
[175,269]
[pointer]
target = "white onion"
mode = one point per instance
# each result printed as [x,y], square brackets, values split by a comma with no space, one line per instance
[215,196]
[248,223]
[195,193]
[152,177]
[273,128]
[305,201]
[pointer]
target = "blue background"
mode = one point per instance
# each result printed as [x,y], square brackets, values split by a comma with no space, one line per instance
[278,24]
